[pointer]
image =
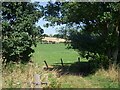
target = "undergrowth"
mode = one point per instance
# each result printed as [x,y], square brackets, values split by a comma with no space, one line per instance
[22,76]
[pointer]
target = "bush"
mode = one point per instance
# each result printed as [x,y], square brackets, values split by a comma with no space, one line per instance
[19,31]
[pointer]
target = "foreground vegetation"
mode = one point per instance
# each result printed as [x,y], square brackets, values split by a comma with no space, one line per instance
[21,76]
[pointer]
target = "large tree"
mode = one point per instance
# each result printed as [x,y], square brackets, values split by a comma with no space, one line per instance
[100,25]
[18,30]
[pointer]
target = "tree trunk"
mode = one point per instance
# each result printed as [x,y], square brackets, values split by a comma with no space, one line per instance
[115,54]
[116,50]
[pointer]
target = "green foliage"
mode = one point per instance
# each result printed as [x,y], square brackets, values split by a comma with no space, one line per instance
[18,30]
[53,83]
[102,81]
[58,36]
[45,35]
[99,24]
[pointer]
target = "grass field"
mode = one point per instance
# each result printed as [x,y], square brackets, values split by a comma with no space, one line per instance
[52,53]
[22,76]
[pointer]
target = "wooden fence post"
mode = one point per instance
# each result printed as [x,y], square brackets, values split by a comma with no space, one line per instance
[46,64]
[62,62]
[37,81]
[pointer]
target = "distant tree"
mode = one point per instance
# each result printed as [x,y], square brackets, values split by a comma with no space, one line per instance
[40,33]
[58,35]
[18,30]
[50,35]
[45,35]
[63,32]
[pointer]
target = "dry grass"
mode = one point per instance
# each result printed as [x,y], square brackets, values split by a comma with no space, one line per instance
[112,72]
[22,76]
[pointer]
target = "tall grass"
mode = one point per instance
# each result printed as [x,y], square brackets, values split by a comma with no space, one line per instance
[21,76]
[100,79]
[112,72]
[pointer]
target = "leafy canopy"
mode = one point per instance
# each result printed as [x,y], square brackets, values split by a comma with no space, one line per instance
[99,23]
[18,29]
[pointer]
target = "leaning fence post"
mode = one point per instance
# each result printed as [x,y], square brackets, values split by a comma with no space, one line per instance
[62,62]
[37,81]
[46,64]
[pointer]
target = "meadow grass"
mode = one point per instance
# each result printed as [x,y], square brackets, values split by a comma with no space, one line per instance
[22,75]
[52,53]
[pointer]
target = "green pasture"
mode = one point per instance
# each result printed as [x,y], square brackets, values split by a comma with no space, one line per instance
[58,78]
[52,53]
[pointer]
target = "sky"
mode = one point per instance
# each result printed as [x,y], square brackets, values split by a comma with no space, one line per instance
[41,22]
[50,30]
